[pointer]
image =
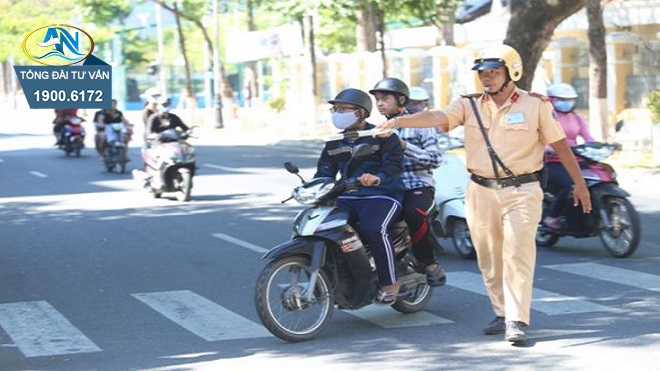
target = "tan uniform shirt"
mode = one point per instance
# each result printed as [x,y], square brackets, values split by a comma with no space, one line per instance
[519,131]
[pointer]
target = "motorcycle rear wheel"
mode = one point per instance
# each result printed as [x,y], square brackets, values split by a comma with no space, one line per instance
[280,299]
[544,238]
[460,236]
[622,239]
[415,303]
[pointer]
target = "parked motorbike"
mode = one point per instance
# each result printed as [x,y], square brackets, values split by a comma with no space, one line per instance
[613,218]
[73,136]
[451,179]
[170,164]
[325,263]
[115,156]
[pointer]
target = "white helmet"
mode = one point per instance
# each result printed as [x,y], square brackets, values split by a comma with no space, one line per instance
[562,90]
[152,94]
[418,93]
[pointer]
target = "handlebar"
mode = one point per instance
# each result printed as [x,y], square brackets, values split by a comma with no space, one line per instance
[352,135]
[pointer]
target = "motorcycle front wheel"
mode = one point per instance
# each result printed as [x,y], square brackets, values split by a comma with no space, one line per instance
[622,238]
[185,185]
[282,302]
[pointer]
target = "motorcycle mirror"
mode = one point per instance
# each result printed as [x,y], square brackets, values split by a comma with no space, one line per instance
[293,169]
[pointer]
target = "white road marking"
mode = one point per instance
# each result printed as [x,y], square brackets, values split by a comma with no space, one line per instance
[620,276]
[389,318]
[38,330]
[543,301]
[201,316]
[238,242]
[225,168]
[38,174]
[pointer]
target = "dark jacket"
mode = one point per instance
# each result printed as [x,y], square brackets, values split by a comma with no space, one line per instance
[386,162]
[159,123]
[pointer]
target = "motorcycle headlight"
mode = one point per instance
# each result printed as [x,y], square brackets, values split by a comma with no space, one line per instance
[310,192]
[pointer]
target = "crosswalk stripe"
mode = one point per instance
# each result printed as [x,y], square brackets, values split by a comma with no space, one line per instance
[38,329]
[201,316]
[389,318]
[543,301]
[241,243]
[620,276]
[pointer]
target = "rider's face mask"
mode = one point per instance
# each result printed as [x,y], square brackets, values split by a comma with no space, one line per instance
[344,120]
[562,105]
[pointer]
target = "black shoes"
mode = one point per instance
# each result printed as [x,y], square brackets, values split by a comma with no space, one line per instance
[515,331]
[496,326]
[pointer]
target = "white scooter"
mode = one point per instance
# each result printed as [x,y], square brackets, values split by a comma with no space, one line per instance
[451,179]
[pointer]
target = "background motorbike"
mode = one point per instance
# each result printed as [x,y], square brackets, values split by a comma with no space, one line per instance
[170,164]
[115,156]
[448,216]
[613,218]
[73,136]
[325,263]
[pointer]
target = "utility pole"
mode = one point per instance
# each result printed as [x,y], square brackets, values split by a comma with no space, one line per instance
[217,84]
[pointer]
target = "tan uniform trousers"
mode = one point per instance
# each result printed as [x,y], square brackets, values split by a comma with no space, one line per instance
[503,225]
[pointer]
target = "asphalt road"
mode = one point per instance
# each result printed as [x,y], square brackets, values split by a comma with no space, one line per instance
[97,275]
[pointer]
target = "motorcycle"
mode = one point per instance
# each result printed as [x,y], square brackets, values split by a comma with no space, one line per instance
[613,218]
[73,136]
[115,156]
[326,264]
[170,164]
[448,216]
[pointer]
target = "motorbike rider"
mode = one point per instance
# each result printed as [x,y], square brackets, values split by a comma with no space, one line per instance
[150,107]
[418,100]
[62,117]
[563,97]
[110,116]
[375,205]
[421,154]
[164,119]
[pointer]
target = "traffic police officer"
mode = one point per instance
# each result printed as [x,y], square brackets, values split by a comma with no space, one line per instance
[504,154]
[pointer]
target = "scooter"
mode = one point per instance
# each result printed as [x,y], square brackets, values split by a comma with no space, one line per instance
[115,156]
[170,164]
[73,136]
[451,179]
[326,264]
[613,218]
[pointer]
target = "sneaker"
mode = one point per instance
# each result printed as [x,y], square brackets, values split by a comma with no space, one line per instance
[552,223]
[515,331]
[496,326]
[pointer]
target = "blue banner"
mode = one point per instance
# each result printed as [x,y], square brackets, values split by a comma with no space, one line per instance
[86,86]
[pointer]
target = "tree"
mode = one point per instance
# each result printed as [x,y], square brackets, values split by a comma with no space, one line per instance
[597,68]
[439,13]
[531,27]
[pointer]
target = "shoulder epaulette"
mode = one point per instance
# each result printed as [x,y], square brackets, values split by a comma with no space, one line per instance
[474,95]
[539,96]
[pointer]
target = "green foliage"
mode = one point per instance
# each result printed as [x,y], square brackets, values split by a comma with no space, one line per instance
[653,104]
[103,12]
[277,104]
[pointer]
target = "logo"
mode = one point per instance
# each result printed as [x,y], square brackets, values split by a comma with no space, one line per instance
[58,45]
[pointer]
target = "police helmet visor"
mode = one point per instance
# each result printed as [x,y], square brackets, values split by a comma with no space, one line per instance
[488,63]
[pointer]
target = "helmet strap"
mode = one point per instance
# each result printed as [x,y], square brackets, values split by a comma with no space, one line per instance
[503,88]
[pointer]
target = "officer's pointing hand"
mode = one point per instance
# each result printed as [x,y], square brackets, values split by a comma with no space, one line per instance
[385,129]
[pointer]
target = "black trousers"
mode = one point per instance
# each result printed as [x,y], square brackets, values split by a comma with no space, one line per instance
[416,205]
[560,183]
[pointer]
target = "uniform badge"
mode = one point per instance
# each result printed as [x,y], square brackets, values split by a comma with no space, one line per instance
[514,118]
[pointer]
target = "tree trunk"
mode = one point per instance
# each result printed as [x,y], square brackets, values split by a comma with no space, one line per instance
[311,47]
[598,117]
[252,65]
[188,97]
[530,30]
[366,27]
[380,25]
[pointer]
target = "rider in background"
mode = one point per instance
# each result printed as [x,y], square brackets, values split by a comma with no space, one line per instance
[150,107]
[563,97]
[112,116]
[62,116]
[418,100]
[421,154]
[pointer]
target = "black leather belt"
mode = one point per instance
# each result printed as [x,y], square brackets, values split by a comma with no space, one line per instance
[506,182]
